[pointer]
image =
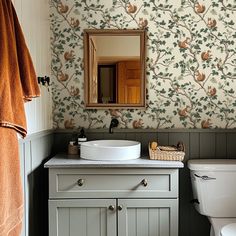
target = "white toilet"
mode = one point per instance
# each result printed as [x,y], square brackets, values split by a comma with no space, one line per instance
[214,191]
[229,230]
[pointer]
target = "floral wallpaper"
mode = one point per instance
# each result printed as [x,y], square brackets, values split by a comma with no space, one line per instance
[190,64]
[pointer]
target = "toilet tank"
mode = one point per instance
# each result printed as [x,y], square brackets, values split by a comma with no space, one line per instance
[214,186]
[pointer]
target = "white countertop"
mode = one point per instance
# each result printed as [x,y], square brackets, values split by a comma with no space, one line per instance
[73,161]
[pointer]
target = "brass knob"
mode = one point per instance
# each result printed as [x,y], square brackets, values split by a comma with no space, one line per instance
[144,182]
[120,208]
[111,208]
[80,182]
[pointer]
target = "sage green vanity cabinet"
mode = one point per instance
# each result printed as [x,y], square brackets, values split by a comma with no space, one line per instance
[112,217]
[107,201]
[147,217]
[82,217]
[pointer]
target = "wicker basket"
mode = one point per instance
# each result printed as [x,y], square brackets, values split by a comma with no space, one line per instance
[166,153]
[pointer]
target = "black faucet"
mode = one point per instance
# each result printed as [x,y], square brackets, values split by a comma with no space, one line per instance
[114,123]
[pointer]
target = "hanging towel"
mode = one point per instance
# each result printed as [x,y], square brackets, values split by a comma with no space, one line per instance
[17,84]
[17,75]
[11,198]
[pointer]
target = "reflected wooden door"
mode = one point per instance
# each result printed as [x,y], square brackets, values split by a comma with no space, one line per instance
[129,82]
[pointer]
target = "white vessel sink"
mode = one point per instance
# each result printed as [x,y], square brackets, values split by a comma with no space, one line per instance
[110,150]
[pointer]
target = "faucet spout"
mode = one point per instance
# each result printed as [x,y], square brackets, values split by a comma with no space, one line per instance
[114,123]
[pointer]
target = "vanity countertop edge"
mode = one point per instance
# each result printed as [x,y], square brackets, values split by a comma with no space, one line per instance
[71,161]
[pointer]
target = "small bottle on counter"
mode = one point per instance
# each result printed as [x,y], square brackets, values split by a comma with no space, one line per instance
[73,148]
[81,138]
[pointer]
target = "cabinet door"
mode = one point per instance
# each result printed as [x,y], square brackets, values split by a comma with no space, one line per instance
[83,217]
[147,217]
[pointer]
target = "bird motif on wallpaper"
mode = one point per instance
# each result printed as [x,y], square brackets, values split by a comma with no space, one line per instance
[69,124]
[200,76]
[184,43]
[62,8]
[211,91]
[137,124]
[142,23]
[131,8]
[206,55]
[199,8]
[62,77]
[69,56]
[74,22]
[211,23]
[206,123]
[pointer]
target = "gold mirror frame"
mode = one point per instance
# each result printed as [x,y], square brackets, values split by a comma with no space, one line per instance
[88,33]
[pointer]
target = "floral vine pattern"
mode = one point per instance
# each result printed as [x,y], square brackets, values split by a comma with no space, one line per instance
[191,62]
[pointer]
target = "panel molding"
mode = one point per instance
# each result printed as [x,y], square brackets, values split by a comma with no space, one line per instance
[34,151]
[200,143]
[51,141]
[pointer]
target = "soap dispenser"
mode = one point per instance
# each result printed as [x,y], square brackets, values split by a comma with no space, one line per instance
[81,138]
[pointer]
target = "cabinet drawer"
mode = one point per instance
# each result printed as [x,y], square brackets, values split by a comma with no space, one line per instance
[109,183]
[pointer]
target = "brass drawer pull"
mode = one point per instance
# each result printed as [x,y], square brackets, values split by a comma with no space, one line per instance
[80,182]
[111,208]
[144,182]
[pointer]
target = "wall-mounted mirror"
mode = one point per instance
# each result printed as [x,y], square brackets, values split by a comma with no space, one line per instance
[114,68]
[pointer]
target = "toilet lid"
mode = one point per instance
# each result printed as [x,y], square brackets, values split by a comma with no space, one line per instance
[229,230]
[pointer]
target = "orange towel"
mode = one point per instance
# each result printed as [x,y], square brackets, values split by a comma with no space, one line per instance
[11,197]
[17,84]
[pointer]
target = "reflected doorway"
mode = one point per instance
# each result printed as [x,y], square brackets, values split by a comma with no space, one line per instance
[107,84]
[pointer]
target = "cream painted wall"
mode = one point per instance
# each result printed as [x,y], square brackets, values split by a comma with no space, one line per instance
[118,46]
[34,18]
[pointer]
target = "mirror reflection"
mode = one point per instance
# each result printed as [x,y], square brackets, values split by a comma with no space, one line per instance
[115,68]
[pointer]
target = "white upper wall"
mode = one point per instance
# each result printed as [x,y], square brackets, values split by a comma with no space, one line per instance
[118,46]
[34,19]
